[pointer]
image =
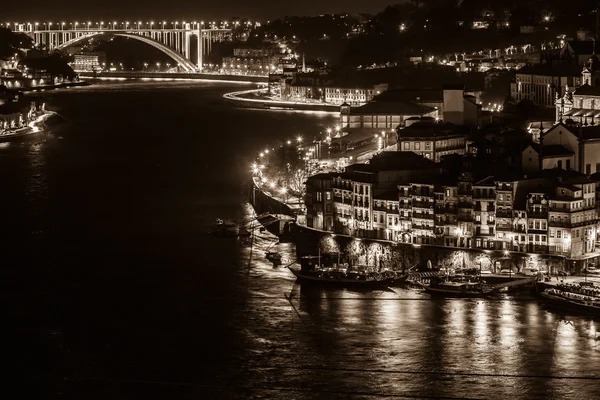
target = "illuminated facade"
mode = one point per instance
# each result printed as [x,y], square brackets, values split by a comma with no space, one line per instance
[553,215]
[88,61]
[354,96]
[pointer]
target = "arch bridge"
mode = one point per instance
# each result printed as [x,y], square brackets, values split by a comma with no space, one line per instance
[173,39]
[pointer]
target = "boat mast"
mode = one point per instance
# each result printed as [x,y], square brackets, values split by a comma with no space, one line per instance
[319,259]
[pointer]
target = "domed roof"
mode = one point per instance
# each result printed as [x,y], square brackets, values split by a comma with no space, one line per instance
[593,63]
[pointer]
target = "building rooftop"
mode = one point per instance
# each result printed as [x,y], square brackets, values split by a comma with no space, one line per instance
[391,108]
[582,47]
[554,150]
[587,90]
[551,70]
[426,129]
[410,95]
[394,160]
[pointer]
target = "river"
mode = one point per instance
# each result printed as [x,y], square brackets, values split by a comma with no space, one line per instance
[111,287]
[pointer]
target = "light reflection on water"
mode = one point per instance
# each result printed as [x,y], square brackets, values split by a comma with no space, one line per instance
[135,290]
[393,341]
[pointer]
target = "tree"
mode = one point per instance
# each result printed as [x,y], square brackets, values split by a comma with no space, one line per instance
[288,168]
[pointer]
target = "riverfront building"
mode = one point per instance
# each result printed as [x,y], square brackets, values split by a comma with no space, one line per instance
[403,197]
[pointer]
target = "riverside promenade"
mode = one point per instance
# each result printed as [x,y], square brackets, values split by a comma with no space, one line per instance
[255,97]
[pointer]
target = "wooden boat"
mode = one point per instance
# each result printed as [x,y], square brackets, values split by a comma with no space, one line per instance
[225,228]
[572,301]
[313,271]
[462,288]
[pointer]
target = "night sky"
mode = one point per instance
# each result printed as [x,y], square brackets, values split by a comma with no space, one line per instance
[39,10]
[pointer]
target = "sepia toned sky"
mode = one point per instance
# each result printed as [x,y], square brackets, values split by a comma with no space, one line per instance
[43,10]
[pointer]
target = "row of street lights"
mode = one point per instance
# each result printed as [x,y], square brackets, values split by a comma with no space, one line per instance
[29,26]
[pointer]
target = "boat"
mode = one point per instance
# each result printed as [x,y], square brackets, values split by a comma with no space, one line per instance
[274,257]
[457,287]
[580,299]
[225,228]
[341,274]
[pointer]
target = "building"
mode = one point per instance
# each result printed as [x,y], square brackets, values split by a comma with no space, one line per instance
[573,219]
[431,139]
[541,83]
[578,51]
[536,158]
[354,191]
[352,95]
[582,141]
[89,61]
[552,214]
[319,202]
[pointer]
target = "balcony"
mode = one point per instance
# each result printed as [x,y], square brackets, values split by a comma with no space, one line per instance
[488,195]
[424,227]
[569,224]
[504,227]
[379,208]
[465,204]
[537,214]
[422,204]
[422,215]
[503,213]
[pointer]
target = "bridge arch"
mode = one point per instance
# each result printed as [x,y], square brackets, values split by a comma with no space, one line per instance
[186,64]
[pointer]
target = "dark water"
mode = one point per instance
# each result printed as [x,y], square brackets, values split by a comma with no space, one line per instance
[110,288]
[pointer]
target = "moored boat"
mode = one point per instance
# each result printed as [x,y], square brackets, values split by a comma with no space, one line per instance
[581,302]
[457,288]
[311,270]
[225,228]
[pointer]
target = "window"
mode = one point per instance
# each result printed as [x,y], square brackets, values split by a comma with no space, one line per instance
[499,197]
[478,218]
[406,146]
[544,238]
[447,192]
[551,233]
[537,238]
[568,164]
[478,243]
[418,146]
[427,145]
[544,225]
[558,233]
[537,224]
[559,164]
[530,238]
[577,233]
[328,195]
[319,196]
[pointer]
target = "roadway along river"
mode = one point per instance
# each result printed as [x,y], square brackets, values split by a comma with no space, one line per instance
[111,288]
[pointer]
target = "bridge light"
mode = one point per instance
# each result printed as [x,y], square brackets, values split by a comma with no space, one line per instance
[36,24]
[201,22]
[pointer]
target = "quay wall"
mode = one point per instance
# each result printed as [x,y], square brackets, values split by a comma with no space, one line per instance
[263,203]
[166,75]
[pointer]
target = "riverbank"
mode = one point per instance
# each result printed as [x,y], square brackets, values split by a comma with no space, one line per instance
[255,98]
[63,85]
[165,76]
